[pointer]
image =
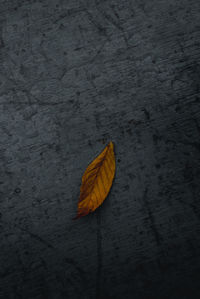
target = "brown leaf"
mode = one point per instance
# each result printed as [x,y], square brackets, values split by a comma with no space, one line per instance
[97,181]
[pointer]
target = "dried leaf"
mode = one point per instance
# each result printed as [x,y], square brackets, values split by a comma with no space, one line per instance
[97,181]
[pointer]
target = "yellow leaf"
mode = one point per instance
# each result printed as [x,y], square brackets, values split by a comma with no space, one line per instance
[97,181]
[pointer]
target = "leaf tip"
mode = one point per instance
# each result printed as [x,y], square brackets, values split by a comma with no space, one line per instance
[111,144]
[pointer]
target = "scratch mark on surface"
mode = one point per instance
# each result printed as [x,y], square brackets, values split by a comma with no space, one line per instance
[36,237]
[112,21]
[151,218]
[32,235]
[100,29]
[99,257]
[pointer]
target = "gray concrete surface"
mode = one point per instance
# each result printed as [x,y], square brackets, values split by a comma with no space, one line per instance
[75,75]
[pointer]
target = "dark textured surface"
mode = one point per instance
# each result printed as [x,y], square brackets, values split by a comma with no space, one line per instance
[75,75]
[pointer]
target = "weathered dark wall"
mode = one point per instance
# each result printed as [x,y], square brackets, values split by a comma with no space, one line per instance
[73,76]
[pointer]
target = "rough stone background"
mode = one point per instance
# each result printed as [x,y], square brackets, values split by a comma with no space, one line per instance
[73,76]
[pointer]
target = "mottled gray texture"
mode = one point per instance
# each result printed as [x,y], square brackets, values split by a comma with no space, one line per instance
[75,75]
